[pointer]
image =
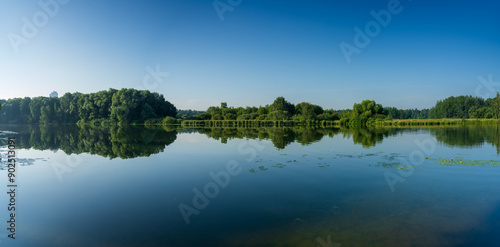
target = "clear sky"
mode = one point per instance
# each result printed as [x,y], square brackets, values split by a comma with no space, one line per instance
[248,52]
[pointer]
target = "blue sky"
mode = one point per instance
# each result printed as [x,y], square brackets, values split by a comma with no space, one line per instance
[262,49]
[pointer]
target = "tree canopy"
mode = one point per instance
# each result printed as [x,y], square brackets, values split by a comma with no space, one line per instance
[135,106]
[463,107]
[125,106]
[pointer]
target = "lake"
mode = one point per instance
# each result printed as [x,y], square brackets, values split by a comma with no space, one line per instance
[140,186]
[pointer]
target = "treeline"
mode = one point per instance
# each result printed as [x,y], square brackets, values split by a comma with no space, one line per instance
[361,114]
[282,110]
[466,107]
[133,106]
[119,106]
[394,113]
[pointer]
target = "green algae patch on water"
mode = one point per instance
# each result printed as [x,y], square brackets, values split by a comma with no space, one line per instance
[279,165]
[463,162]
[391,163]
[396,165]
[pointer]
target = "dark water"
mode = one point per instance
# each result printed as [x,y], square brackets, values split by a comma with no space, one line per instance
[140,186]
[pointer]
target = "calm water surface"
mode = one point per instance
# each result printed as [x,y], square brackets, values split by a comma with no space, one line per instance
[139,186]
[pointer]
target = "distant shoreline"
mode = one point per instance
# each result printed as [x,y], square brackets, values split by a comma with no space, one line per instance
[335,123]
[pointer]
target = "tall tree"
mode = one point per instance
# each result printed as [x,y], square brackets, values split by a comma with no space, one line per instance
[367,108]
[280,104]
[496,105]
[308,111]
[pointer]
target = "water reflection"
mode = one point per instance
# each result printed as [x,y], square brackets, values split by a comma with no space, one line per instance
[114,142]
[280,137]
[338,196]
[468,136]
[138,141]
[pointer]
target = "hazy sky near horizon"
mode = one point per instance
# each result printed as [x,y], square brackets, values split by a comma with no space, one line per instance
[248,52]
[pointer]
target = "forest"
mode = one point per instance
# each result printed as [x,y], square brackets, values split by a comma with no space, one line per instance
[362,114]
[130,106]
[466,107]
[123,106]
[281,109]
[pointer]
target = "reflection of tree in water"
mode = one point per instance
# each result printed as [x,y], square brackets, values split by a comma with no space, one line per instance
[222,134]
[366,138]
[370,137]
[280,137]
[132,141]
[115,141]
[494,137]
[306,136]
[468,136]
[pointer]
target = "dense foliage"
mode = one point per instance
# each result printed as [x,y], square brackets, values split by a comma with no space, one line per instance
[188,114]
[466,107]
[280,109]
[361,113]
[365,111]
[133,106]
[394,113]
[123,106]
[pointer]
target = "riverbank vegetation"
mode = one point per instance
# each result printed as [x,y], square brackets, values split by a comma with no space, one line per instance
[130,106]
[466,107]
[459,110]
[123,106]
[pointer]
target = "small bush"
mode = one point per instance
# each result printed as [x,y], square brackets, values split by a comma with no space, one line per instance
[170,121]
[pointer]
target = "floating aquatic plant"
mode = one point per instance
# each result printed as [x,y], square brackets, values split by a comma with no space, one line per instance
[464,162]
[323,164]
[279,165]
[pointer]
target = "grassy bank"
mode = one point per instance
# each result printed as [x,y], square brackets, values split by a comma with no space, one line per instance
[434,122]
[257,123]
[381,123]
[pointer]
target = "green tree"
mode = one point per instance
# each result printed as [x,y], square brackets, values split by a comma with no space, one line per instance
[230,116]
[367,108]
[278,115]
[308,111]
[35,109]
[329,115]
[496,106]
[263,110]
[456,107]
[280,104]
